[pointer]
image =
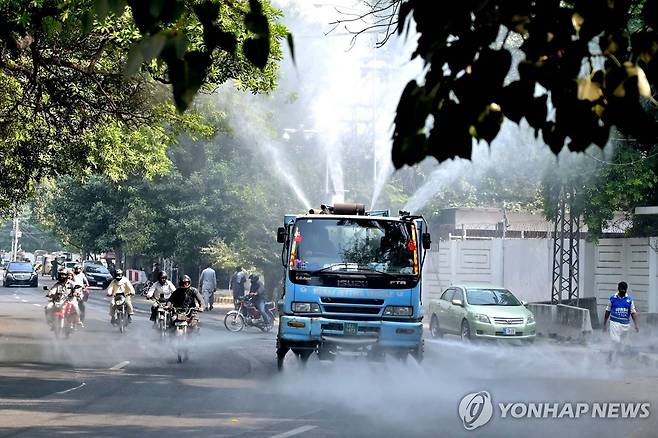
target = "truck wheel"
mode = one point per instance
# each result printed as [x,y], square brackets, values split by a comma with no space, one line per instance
[435,330]
[281,351]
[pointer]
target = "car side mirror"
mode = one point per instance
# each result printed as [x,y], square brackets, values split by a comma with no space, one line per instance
[458,303]
[281,235]
[427,241]
[524,303]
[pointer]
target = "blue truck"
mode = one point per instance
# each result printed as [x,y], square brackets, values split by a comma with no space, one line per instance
[353,283]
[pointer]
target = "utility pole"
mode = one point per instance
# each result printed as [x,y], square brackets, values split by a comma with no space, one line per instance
[16,234]
[566,250]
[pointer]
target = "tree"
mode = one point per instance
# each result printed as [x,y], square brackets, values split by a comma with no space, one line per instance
[81,96]
[602,186]
[588,65]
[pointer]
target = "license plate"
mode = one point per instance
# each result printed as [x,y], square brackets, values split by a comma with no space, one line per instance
[509,331]
[350,329]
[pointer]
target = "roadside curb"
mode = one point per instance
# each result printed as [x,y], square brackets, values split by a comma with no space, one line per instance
[223,300]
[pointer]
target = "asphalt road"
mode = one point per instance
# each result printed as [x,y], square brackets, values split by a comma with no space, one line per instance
[100,383]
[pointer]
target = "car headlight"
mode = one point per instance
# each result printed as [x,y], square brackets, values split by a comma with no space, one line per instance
[306,307]
[531,319]
[398,311]
[480,317]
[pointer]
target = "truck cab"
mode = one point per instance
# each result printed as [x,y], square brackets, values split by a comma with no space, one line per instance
[352,283]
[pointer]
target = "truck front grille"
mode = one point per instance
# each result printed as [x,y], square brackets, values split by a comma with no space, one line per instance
[338,300]
[353,309]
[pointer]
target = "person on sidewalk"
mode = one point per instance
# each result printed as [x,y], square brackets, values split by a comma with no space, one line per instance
[208,285]
[620,310]
[236,284]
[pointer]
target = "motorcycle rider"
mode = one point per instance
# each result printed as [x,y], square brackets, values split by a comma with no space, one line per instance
[120,284]
[186,297]
[161,287]
[257,294]
[80,279]
[64,286]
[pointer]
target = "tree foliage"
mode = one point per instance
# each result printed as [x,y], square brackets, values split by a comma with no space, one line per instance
[587,65]
[214,204]
[82,93]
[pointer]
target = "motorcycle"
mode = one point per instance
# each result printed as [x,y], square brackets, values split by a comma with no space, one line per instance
[186,322]
[120,317]
[163,319]
[248,315]
[64,318]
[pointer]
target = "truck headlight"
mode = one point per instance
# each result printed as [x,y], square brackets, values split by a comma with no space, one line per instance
[480,317]
[306,307]
[531,319]
[398,311]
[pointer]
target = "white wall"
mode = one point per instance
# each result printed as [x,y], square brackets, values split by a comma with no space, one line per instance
[525,267]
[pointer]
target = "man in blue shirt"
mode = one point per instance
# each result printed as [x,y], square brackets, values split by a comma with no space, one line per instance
[619,311]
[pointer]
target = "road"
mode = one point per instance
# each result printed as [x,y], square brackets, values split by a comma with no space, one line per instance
[99,383]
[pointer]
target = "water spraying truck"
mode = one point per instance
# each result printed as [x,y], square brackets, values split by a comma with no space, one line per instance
[353,283]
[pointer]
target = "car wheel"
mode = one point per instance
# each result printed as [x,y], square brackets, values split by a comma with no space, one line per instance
[466,331]
[435,330]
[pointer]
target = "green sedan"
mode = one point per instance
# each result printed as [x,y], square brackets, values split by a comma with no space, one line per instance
[481,312]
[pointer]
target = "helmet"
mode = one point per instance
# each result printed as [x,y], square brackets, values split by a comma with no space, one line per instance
[162,276]
[118,274]
[77,269]
[254,277]
[61,274]
[185,279]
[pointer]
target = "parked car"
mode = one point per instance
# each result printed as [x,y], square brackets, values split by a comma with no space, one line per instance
[70,265]
[20,273]
[481,312]
[97,275]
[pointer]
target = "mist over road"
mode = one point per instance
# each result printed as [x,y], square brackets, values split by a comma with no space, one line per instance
[102,384]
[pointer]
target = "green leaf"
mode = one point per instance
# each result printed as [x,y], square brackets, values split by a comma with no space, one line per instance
[151,46]
[134,61]
[291,46]
[102,8]
[257,50]
[255,20]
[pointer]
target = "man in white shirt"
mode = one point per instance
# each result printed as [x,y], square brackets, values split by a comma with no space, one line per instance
[79,279]
[120,284]
[160,290]
[208,285]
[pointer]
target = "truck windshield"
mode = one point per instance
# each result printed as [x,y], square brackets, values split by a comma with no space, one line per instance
[354,244]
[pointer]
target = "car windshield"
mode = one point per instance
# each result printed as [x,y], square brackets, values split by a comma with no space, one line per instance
[354,244]
[491,297]
[96,269]
[20,267]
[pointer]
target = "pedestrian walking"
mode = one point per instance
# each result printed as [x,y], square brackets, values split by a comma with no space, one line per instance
[208,285]
[53,269]
[236,284]
[619,311]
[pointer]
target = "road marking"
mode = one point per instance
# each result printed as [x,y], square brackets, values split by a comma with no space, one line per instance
[293,432]
[120,365]
[72,389]
[38,305]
